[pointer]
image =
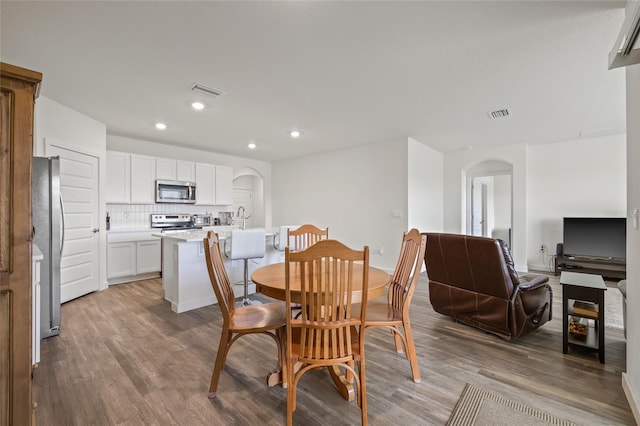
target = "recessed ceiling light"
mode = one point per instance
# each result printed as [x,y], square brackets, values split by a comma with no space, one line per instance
[252,146]
[295,134]
[161,126]
[197,106]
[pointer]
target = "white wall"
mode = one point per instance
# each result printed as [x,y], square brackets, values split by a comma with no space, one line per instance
[425,192]
[456,165]
[578,178]
[354,192]
[55,122]
[367,195]
[241,166]
[631,379]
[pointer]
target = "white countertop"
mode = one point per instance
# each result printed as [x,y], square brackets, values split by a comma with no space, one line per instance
[224,232]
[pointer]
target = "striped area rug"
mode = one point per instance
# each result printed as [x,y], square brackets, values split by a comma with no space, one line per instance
[478,407]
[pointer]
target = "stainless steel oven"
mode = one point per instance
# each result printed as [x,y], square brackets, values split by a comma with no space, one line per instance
[175,192]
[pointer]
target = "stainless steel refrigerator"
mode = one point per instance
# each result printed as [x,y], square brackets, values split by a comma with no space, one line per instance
[48,226]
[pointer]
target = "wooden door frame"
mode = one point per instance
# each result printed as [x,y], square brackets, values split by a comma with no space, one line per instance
[19,90]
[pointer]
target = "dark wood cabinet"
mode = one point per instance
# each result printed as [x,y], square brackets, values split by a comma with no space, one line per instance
[19,88]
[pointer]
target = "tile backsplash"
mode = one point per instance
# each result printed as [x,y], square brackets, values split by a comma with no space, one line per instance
[138,215]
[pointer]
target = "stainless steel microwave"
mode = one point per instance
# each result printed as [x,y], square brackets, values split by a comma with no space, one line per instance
[168,191]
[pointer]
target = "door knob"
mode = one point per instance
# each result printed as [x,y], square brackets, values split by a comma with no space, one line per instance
[96,230]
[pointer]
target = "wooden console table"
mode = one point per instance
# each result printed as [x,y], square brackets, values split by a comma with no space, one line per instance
[585,288]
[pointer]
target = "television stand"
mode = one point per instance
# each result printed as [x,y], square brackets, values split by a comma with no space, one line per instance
[608,268]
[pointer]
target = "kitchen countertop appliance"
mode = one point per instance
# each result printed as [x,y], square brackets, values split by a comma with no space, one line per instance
[202,220]
[226,218]
[167,222]
[175,192]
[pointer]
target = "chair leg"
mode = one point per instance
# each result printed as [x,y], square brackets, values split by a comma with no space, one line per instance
[221,358]
[245,299]
[398,339]
[291,392]
[282,354]
[411,353]
[363,392]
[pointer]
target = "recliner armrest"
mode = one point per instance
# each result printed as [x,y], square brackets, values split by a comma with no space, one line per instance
[532,282]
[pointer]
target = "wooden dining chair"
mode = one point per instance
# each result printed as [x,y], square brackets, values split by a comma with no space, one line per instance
[301,238]
[266,318]
[326,334]
[305,236]
[393,313]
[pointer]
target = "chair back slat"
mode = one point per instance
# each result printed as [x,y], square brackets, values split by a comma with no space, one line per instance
[407,272]
[305,236]
[326,294]
[218,275]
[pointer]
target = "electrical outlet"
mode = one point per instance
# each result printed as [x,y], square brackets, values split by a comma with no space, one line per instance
[542,249]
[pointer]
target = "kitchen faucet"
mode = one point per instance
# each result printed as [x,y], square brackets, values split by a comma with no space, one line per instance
[244,218]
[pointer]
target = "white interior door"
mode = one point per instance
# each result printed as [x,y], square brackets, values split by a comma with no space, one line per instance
[81,254]
[479,208]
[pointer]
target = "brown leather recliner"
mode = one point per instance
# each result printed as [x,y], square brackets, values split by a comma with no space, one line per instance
[473,280]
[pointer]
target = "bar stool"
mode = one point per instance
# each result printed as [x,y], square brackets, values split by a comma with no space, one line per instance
[247,244]
[280,239]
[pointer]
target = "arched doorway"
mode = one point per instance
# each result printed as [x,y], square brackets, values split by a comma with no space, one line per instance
[248,198]
[490,200]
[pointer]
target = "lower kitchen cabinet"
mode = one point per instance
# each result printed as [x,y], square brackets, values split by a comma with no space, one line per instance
[132,257]
[148,256]
[121,259]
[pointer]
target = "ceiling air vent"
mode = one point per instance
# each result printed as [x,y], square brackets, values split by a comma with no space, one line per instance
[499,113]
[205,90]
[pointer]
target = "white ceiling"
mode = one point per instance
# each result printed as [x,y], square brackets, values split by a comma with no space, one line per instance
[344,73]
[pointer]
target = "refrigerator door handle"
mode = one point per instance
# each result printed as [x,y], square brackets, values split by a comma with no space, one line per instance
[62,227]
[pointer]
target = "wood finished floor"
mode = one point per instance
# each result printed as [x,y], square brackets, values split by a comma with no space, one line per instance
[123,358]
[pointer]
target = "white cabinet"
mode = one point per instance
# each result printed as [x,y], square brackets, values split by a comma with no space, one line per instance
[121,259]
[131,179]
[168,169]
[165,169]
[205,184]
[185,171]
[147,256]
[224,185]
[143,171]
[118,177]
[132,256]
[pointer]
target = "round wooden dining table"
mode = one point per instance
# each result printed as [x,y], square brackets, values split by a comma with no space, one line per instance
[270,281]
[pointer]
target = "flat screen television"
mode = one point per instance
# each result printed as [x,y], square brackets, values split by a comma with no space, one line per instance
[595,237]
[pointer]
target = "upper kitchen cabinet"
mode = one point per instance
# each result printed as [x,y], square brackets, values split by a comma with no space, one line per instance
[119,177]
[205,184]
[185,171]
[213,185]
[130,178]
[168,169]
[224,185]
[143,173]
[165,169]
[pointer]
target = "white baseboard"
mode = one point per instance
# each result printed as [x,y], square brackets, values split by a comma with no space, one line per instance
[538,267]
[633,397]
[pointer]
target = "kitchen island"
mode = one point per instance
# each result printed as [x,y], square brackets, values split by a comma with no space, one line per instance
[185,279]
